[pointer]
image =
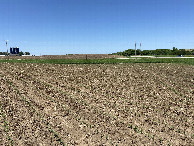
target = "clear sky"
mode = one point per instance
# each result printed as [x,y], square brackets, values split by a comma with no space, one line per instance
[95,26]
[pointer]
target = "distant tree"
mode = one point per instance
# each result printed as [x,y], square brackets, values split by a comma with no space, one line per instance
[27,53]
[182,52]
[3,53]
[145,52]
[21,53]
[138,52]
[188,52]
[175,51]
[119,53]
[128,52]
[163,52]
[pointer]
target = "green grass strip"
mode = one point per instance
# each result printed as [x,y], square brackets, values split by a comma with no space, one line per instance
[189,61]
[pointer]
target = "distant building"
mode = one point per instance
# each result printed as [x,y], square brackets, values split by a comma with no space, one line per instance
[14,51]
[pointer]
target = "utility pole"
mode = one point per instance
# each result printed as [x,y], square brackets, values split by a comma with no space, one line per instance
[140,46]
[135,48]
[6,48]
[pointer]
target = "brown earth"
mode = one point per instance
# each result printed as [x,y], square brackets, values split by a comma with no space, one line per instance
[72,56]
[128,104]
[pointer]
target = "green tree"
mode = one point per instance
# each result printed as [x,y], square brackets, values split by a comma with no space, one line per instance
[27,53]
[138,51]
[175,51]
[21,53]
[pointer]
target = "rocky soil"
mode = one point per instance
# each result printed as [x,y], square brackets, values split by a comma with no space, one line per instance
[123,104]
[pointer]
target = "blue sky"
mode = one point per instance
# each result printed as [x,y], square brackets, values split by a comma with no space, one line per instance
[95,26]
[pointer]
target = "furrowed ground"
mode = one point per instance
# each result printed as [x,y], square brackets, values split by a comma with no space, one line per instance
[123,104]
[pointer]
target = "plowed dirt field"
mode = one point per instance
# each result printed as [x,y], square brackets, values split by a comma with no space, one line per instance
[123,104]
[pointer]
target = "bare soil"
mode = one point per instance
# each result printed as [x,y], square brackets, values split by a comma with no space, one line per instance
[123,104]
[71,56]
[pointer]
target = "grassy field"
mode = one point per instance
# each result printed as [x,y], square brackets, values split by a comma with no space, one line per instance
[189,61]
[173,55]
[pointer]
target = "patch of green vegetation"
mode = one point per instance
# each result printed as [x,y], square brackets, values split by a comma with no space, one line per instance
[170,55]
[189,61]
[166,55]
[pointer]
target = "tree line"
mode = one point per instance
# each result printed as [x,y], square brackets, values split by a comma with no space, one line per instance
[174,51]
[20,53]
